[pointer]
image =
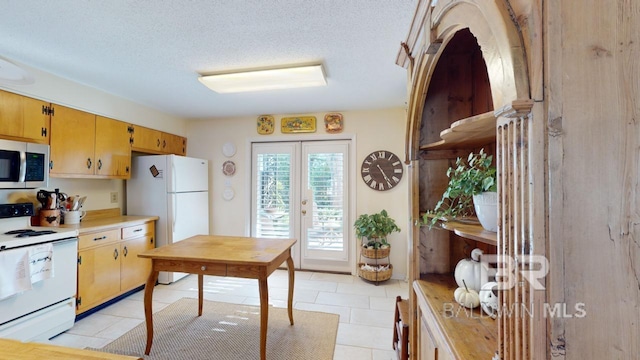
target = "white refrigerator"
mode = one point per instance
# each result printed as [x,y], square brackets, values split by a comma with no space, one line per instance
[174,188]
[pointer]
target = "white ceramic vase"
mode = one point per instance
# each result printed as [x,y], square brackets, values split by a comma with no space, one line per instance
[486,206]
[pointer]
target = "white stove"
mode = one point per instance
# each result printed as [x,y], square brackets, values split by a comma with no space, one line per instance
[43,305]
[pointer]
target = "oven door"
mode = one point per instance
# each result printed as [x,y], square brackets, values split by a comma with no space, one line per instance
[12,159]
[47,292]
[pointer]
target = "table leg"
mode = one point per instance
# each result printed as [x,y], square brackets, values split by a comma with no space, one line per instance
[264,315]
[200,280]
[291,279]
[148,310]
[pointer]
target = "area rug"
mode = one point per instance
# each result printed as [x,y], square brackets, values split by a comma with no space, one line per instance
[230,331]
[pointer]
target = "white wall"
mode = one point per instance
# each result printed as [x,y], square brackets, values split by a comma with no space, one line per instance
[372,130]
[61,91]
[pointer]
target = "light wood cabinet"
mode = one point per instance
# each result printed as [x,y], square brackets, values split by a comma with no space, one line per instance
[86,145]
[144,139]
[108,263]
[112,149]
[174,144]
[72,142]
[134,270]
[24,118]
[152,141]
[98,268]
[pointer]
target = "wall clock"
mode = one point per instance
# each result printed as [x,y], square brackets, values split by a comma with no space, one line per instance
[381,170]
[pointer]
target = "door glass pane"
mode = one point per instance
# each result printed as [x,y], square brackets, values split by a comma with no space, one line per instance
[273,189]
[326,181]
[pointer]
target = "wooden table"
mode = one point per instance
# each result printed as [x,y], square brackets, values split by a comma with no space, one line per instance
[17,350]
[243,257]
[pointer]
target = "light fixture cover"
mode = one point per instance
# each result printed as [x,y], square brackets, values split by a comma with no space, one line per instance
[285,78]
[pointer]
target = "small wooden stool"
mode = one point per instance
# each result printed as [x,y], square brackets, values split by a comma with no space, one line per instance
[401,329]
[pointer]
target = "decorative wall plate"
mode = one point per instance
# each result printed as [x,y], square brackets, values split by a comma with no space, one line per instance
[298,124]
[229,168]
[228,193]
[266,124]
[228,149]
[333,123]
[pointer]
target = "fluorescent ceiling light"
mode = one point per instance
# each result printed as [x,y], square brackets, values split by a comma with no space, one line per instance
[286,78]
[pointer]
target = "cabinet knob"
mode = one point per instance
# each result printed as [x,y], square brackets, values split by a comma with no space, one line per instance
[203,268]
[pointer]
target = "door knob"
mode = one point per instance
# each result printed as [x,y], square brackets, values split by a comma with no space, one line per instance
[304,202]
[304,212]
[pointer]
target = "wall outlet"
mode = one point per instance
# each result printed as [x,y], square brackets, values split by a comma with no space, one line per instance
[114,197]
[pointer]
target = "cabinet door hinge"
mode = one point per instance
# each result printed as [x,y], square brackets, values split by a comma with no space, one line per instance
[131,140]
[51,165]
[79,301]
[130,129]
[43,132]
[80,260]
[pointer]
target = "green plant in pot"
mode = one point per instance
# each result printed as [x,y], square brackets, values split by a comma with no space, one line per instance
[375,228]
[472,187]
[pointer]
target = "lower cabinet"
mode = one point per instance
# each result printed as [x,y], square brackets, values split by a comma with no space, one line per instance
[447,331]
[430,345]
[108,263]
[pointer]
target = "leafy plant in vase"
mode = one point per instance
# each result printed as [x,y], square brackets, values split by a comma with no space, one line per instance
[472,186]
[372,230]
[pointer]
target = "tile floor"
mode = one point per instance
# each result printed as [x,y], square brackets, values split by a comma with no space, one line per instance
[366,310]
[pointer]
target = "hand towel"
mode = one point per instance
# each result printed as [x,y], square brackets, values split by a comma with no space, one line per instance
[41,262]
[14,272]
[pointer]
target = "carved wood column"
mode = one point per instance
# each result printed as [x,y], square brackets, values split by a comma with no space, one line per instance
[520,232]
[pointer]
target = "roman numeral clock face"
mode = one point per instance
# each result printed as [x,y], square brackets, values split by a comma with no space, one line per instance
[381,170]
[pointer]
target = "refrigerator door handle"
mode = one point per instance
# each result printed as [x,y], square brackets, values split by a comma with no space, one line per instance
[174,177]
[175,212]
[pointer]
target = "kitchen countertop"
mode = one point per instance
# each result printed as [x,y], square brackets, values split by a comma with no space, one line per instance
[109,221]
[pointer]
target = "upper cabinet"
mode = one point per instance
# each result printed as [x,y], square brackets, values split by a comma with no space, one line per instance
[152,141]
[113,150]
[174,144]
[83,145]
[144,139]
[86,145]
[24,118]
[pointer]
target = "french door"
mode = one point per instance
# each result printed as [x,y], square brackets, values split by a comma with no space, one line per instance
[300,190]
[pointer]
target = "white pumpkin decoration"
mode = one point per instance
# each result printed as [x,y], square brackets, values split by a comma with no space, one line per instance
[469,271]
[489,298]
[466,297]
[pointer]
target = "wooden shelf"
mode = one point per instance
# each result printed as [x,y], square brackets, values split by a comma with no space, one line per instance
[466,133]
[471,231]
[469,333]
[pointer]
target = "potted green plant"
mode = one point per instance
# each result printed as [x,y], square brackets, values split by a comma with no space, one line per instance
[373,229]
[472,187]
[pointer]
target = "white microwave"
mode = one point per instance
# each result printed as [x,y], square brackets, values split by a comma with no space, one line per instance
[23,165]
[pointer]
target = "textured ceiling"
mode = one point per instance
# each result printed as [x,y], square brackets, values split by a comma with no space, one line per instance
[152,52]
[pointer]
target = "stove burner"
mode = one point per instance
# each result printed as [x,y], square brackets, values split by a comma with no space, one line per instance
[29,232]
